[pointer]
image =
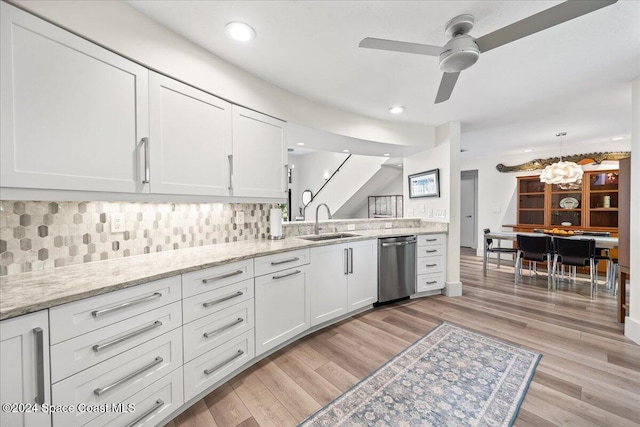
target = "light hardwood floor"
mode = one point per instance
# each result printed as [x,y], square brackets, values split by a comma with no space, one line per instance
[589,374]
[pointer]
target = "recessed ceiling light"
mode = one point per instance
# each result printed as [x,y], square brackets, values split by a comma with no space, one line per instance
[300,143]
[386,154]
[345,151]
[399,166]
[398,109]
[528,150]
[240,31]
[617,138]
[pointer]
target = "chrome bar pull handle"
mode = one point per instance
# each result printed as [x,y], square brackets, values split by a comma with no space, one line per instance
[286,178]
[159,404]
[432,282]
[431,265]
[39,334]
[287,274]
[346,261]
[223,299]
[102,390]
[284,261]
[230,157]
[350,260]
[99,347]
[220,365]
[97,313]
[399,243]
[430,251]
[431,240]
[224,328]
[222,276]
[147,171]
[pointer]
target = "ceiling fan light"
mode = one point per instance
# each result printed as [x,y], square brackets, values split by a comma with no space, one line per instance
[459,54]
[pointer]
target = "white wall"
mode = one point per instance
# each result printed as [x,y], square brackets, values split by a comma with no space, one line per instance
[123,29]
[497,202]
[445,156]
[632,322]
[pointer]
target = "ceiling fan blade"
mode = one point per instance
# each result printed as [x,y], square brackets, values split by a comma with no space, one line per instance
[396,46]
[446,86]
[540,21]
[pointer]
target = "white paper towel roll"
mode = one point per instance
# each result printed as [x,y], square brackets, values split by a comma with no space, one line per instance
[275,222]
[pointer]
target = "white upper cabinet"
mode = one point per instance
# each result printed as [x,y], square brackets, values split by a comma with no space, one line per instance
[189,141]
[259,155]
[72,113]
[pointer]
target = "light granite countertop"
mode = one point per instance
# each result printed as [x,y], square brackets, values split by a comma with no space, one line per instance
[30,292]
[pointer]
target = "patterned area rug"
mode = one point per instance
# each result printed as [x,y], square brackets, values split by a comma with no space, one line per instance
[449,377]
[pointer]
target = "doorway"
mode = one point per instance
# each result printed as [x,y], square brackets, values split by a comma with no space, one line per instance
[469,209]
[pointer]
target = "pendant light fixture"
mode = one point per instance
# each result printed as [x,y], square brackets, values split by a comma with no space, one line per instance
[566,175]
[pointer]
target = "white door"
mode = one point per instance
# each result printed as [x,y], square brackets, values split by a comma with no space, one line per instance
[328,282]
[363,274]
[73,114]
[189,140]
[468,220]
[24,368]
[282,307]
[259,155]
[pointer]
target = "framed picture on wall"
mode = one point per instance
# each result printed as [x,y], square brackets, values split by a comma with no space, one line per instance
[425,184]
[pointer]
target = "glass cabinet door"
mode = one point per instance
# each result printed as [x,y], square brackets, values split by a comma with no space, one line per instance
[603,199]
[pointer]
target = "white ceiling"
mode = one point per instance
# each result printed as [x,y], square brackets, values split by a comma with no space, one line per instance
[574,77]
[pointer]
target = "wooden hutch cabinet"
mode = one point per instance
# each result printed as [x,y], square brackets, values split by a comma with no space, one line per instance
[591,207]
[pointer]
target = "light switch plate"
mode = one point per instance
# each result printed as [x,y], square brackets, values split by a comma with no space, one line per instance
[117,222]
[351,227]
[388,225]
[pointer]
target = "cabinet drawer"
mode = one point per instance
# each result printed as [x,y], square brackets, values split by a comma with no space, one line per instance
[79,317]
[118,378]
[152,404]
[76,354]
[209,279]
[429,250]
[204,371]
[279,262]
[431,239]
[204,304]
[209,332]
[430,282]
[431,264]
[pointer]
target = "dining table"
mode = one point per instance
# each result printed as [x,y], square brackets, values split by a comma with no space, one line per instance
[601,241]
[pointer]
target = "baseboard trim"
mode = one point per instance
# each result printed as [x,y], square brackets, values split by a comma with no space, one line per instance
[632,329]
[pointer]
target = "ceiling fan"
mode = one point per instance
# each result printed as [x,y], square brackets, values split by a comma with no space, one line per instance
[463,50]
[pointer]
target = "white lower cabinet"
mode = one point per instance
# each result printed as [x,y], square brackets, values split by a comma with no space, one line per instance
[328,272]
[282,307]
[24,368]
[118,378]
[209,332]
[207,369]
[342,278]
[431,262]
[147,407]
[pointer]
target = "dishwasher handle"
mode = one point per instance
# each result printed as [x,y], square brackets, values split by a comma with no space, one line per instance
[413,242]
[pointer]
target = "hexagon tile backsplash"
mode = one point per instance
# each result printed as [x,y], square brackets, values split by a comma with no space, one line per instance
[45,235]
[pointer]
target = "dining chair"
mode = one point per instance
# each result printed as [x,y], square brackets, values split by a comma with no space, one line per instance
[578,253]
[603,254]
[533,249]
[489,249]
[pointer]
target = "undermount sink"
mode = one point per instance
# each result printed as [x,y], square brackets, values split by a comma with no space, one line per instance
[333,236]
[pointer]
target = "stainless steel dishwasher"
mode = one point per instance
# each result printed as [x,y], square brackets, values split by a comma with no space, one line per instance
[396,268]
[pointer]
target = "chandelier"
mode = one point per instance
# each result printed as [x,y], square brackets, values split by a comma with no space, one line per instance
[566,175]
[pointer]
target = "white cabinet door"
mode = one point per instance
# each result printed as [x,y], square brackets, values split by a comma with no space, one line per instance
[259,155]
[328,282]
[24,368]
[282,307]
[363,274]
[72,113]
[189,140]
